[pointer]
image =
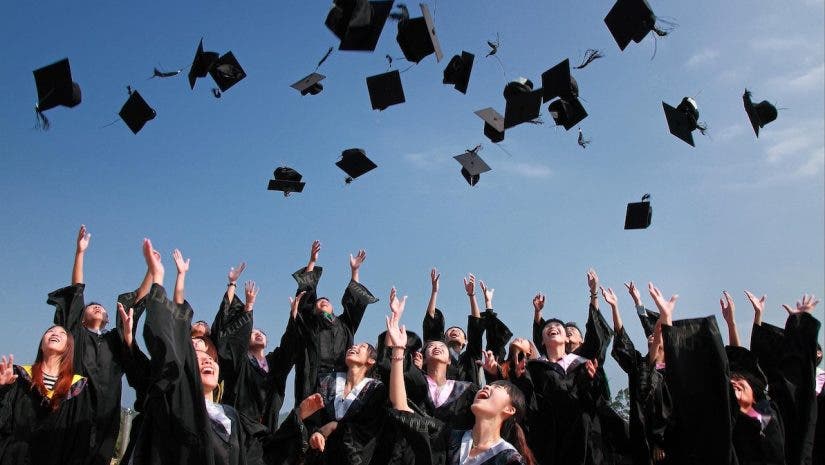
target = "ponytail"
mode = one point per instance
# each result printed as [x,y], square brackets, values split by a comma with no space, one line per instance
[521,446]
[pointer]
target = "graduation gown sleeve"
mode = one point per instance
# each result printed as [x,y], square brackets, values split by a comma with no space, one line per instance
[433,327]
[496,332]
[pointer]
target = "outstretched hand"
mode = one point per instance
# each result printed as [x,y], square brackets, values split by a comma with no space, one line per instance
[757,303]
[434,279]
[806,305]
[634,293]
[7,375]
[591,366]
[728,307]
[592,280]
[251,291]
[488,294]
[314,251]
[180,263]
[396,333]
[665,306]
[609,296]
[356,261]
[128,320]
[83,238]
[470,284]
[235,273]
[310,405]
[294,303]
[489,362]
[153,261]
[397,306]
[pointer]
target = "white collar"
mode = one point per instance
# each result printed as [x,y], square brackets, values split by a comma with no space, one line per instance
[467,445]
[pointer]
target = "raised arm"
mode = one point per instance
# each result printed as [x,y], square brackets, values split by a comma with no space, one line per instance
[758,305]
[728,313]
[83,238]
[233,276]
[355,264]
[434,278]
[665,306]
[180,281]
[538,306]
[593,284]
[610,298]
[315,249]
[398,341]
[470,288]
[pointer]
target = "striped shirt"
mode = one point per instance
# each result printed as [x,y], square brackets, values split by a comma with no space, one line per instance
[49,381]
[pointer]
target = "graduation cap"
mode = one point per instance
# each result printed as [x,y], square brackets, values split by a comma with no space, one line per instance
[226,71]
[760,113]
[567,113]
[136,112]
[201,64]
[631,20]
[416,37]
[639,214]
[287,180]
[558,82]
[385,90]
[493,124]
[458,71]
[358,23]
[472,165]
[354,162]
[523,104]
[55,88]
[310,84]
[683,120]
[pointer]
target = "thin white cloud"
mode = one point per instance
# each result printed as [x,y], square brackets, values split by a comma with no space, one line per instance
[731,132]
[799,148]
[425,160]
[528,170]
[812,79]
[778,44]
[701,58]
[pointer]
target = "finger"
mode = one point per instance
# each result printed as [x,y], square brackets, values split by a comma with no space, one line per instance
[787,309]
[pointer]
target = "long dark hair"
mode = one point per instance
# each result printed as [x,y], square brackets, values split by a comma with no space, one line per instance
[64,376]
[511,429]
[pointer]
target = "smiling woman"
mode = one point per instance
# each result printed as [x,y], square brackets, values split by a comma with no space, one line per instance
[45,408]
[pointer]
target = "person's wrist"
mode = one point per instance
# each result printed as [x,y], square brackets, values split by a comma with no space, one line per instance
[232,283]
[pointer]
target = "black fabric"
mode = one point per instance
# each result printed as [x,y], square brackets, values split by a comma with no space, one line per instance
[788,359]
[465,366]
[256,393]
[355,439]
[322,342]
[435,443]
[699,383]
[650,403]
[176,428]
[756,443]
[30,432]
[100,358]
[496,333]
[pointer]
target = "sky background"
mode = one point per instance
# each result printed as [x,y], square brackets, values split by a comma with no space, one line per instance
[734,213]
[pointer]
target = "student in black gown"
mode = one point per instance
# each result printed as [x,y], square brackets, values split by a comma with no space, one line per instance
[697,376]
[254,381]
[787,357]
[321,336]
[465,349]
[346,430]
[497,408]
[46,412]
[98,353]
[183,424]
[649,399]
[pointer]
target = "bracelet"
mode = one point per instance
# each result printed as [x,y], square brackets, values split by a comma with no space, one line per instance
[231,284]
[397,347]
[471,295]
[397,358]
[594,295]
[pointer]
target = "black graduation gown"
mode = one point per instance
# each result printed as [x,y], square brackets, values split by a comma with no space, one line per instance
[496,333]
[464,366]
[99,357]
[649,400]
[756,443]
[698,380]
[788,359]
[355,439]
[819,435]
[435,443]
[176,428]
[455,411]
[254,392]
[321,342]
[30,432]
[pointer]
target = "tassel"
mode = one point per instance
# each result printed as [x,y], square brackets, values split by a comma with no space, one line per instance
[493,46]
[590,55]
[329,52]
[216,92]
[165,74]
[42,122]
[582,141]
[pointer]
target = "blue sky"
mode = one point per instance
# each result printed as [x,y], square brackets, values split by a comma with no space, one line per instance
[734,213]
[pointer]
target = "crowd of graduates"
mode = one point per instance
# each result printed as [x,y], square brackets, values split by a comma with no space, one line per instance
[212,394]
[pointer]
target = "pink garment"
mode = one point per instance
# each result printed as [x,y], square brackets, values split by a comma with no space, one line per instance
[439,395]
